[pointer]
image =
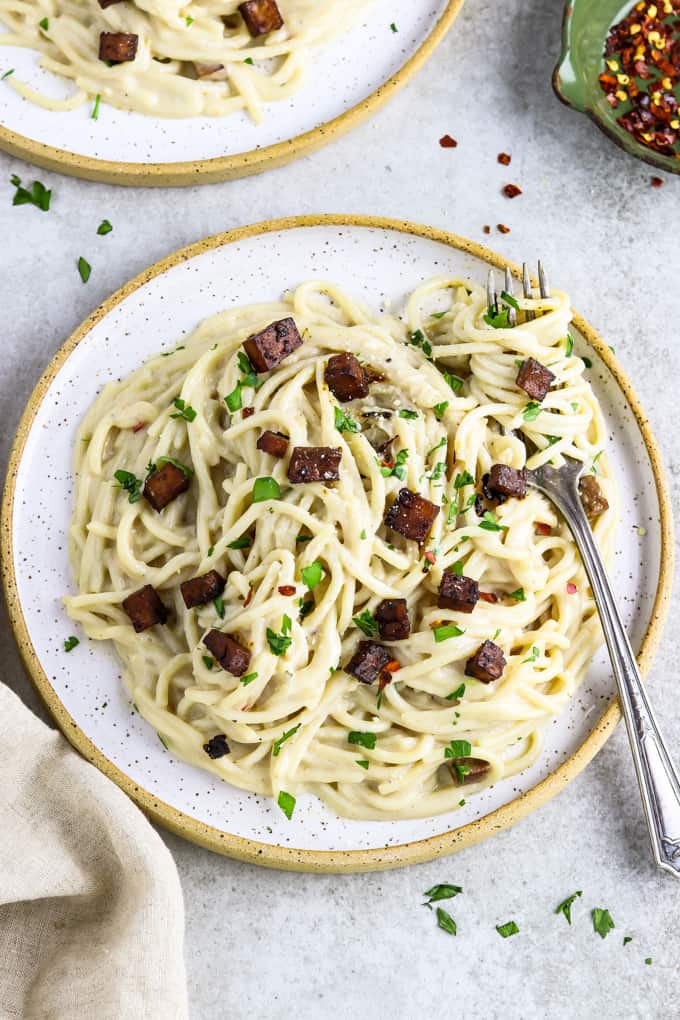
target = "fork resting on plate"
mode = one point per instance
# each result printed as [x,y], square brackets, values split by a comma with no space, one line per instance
[656,774]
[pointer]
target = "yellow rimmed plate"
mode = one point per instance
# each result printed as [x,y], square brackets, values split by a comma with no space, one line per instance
[380,261]
[349,79]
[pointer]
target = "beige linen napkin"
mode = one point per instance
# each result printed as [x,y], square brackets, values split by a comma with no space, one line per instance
[91,913]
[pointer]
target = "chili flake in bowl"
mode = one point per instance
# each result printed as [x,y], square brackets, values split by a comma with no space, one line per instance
[624,72]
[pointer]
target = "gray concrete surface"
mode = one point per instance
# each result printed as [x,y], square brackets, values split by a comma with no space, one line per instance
[265,944]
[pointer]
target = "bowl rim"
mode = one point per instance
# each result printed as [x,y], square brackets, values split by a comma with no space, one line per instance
[623,139]
[293,858]
[241,164]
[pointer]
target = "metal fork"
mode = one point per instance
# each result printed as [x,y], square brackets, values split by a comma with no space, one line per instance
[657,776]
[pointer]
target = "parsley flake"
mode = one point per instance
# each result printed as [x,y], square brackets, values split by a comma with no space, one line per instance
[218,603]
[457,694]
[280,643]
[458,749]
[248,678]
[70,643]
[38,196]
[312,574]
[345,422]
[531,411]
[565,905]
[104,228]
[490,523]
[130,484]
[534,655]
[446,631]
[283,738]
[95,109]
[366,740]
[184,410]
[264,489]
[445,921]
[440,409]
[442,891]
[405,413]
[602,922]
[518,595]
[366,623]
[508,929]
[84,268]
[286,802]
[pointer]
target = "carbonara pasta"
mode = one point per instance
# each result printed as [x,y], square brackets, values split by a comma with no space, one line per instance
[175,58]
[292,695]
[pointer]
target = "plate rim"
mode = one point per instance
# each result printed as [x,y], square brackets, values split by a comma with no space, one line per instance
[295,858]
[241,164]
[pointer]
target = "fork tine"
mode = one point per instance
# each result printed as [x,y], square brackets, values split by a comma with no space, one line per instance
[543,281]
[491,293]
[509,289]
[526,284]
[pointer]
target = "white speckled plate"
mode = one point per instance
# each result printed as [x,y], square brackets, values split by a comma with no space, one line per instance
[349,78]
[380,261]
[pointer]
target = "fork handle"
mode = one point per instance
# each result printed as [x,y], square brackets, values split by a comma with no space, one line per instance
[656,774]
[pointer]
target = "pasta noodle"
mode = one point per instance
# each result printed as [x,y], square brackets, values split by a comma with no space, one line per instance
[193,58]
[298,721]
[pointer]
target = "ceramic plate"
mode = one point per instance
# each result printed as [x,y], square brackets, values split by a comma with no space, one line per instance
[380,261]
[350,78]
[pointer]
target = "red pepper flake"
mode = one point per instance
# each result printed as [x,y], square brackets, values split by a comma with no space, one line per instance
[384,680]
[286,589]
[505,158]
[571,588]
[487,229]
[501,227]
[139,426]
[512,191]
[248,411]
[430,557]
[488,596]
[392,666]
[642,73]
[447,142]
[248,597]
[657,182]
[543,529]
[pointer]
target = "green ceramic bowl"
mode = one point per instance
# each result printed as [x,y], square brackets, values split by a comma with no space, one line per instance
[584,31]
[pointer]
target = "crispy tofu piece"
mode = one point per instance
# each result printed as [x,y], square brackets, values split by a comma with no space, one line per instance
[270,346]
[314,464]
[118,47]
[458,593]
[145,609]
[232,656]
[368,661]
[164,485]
[393,620]
[261,16]
[411,515]
[487,664]
[199,590]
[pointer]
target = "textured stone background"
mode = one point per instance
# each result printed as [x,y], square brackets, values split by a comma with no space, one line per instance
[266,944]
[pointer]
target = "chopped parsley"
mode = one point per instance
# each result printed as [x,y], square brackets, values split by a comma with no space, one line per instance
[458,749]
[457,568]
[362,761]
[497,318]
[130,484]
[283,738]
[264,489]
[312,574]
[189,21]
[366,623]
[398,469]
[104,228]
[418,339]
[534,655]
[437,315]
[457,694]
[442,442]
[219,606]
[569,345]
[248,678]
[7,74]
[462,479]
[248,60]
[531,411]
[508,299]
[627,939]
[70,643]
[366,740]
[44,24]
[441,892]
[602,922]
[565,905]
[445,921]
[162,740]
[84,268]
[286,802]
[240,543]
[280,643]
[394,27]
[38,196]
[95,109]
[439,409]
[648,959]
[508,929]
[184,410]
[454,381]
[446,631]
[170,460]
[518,595]
[208,662]
[345,422]
[405,413]
[362,536]
[490,523]
[249,380]
[587,362]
